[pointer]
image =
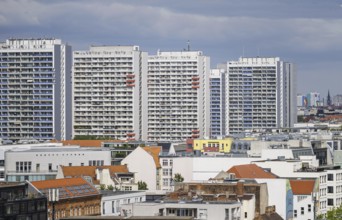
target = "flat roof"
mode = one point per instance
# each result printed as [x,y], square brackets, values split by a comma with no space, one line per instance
[56,149]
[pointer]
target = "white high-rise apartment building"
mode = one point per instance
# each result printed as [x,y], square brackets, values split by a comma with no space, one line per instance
[35,89]
[260,94]
[108,92]
[178,96]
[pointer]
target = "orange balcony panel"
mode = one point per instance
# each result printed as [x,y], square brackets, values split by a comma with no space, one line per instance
[195,83]
[195,131]
[195,78]
[195,135]
[130,75]
[130,139]
[130,85]
[130,81]
[195,87]
[131,134]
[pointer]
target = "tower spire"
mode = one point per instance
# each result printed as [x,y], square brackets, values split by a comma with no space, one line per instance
[328,99]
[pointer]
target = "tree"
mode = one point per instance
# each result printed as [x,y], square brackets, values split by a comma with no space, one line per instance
[142,185]
[333,214]
[110,187]
[102,186]
[178,178]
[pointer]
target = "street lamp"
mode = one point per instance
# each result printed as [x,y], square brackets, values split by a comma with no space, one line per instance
[53,198]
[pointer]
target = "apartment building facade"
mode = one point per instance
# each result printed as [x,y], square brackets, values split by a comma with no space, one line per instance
[260,93]
[216,102]
[178,96]
[108,92]
[35,89]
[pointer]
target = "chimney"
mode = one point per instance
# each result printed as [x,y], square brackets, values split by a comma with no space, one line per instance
[270,210]
[240,191]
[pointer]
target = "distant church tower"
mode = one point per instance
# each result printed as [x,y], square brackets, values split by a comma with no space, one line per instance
[328,99]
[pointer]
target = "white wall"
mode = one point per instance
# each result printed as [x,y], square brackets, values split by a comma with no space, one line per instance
[276,189]
[142,164]
[107,202]
[55,156]
[213,211]
[286,169]
[299,203]
[204,168]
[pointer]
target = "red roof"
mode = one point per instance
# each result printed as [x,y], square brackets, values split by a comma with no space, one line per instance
[79,171]
[154,151]
[86,143]
[302,187]
[68,188]
[250,171]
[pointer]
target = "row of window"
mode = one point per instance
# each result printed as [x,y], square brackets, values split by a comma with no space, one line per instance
[302,211]
[167,162]
[116,204]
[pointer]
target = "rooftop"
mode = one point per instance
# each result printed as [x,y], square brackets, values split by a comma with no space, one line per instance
[79,171]
[250,171]
[154,151]
[68,188]
[302,187]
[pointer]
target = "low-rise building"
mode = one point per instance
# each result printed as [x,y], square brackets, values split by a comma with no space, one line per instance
[252,196]
[144,162]
[196,210]
[111,202]
[18,202]
[213,145]
[42,163]
[303,198]
[73,197]
[118,177]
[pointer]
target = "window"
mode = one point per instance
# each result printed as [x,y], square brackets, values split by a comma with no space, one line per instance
[23,166]
[171,162]
[165,162]
[302,210]
[330,202]
[50,166]
[70,164]
[309,208]
[295,213]
[227,213]
[2,175]
[330,177]
[103,208]
[82,164]
[330,189]
[165,181]
[245,214]
[165,172]
[113,206]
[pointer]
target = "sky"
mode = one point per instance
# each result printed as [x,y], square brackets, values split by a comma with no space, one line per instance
[305,32]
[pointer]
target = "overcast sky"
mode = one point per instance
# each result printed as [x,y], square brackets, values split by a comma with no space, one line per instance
[306,32]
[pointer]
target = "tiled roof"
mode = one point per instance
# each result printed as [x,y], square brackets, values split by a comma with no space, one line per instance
[86,143]
[74,171]
[79,171]
[250,171]
[68,188]
[302,187]
[154,151]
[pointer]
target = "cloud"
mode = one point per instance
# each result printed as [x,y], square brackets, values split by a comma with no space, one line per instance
[303,31]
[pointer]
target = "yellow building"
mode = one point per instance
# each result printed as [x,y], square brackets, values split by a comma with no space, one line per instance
[213,145]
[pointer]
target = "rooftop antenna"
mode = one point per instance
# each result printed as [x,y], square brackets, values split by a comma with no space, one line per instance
[188,45]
